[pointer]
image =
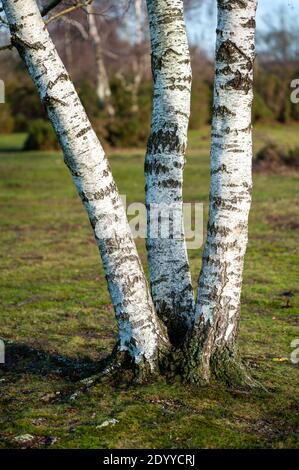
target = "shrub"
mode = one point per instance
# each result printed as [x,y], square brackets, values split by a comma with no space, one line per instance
[271,156]
[6,119]
[271,153]
[292,158]
[129,127]
[260,111]
[25,103]
[285,113]
[21,123]
[89,100]
[41,136]
[201,104]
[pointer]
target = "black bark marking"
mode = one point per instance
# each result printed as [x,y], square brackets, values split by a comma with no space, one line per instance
[88,197]
[228,52]
[222,111]
[163,141]
[221,169]
[20,43]
[62,77]
[50,101]
[240,82]
[250,24]
[231,4]
[84,131]
[170,183]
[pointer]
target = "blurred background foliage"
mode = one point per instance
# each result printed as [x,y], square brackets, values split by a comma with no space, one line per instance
[122,116]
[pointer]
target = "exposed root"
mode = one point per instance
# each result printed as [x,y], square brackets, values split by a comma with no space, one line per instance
[191,364]
[227,367]
[121,369]
[188,364]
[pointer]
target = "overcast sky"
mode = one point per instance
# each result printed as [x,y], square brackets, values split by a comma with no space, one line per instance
[202,28]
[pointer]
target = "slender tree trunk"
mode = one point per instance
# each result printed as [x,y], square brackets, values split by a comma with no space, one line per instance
[68,45]
[138,59]
[102,84]
[140,335]
[220,281]
[168,261]
[138,18]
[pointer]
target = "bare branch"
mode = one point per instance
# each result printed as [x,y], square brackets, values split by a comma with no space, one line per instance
[77,25]
[69,10]
[51,5]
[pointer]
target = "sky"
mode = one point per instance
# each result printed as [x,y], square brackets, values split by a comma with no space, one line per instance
[202,28]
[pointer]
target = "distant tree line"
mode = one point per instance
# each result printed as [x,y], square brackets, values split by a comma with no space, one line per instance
[113,76]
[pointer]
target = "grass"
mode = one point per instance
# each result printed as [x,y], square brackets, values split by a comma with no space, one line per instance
[57,320]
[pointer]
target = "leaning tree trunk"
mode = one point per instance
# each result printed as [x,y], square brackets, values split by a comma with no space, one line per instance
[140,336]
[168,261]
[218,298]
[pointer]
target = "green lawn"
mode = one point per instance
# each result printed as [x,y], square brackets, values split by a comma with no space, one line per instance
[58,323]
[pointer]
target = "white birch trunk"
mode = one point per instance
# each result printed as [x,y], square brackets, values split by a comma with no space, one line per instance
[102,80]
[219,290]
[68,45]
[168,261]
[139,331]
[138,65]
[138,19]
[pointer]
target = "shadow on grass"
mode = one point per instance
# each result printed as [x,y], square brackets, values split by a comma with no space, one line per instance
[23,359]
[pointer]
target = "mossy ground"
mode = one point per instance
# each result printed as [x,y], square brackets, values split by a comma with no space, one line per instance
[56,314]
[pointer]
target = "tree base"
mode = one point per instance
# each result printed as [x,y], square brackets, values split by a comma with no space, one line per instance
[121,369]
[188,364]
[227,367]
[192,364]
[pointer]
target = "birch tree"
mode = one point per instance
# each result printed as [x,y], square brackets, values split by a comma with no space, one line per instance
[217,311]
[140,336]
[165,159]
[102,85]
[201,340]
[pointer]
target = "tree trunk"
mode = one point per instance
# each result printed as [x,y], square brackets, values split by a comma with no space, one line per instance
[68,46]
[140,335]
[218,298]
[102,80]
[168,261]
[138,56]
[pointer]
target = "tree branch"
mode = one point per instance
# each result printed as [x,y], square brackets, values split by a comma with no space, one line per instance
[51,5]
[69,10]
[77,25]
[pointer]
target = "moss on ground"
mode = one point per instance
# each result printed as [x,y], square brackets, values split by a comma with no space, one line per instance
[57,317]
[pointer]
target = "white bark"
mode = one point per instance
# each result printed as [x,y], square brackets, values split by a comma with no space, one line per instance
[138,18]
[168,261]
[102,84]
[68,45]
[218,300]
[76,24]
[139,331]
[138,63]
